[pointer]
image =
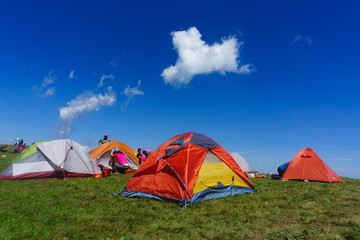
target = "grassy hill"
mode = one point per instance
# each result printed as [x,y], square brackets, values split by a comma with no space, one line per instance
[86,209]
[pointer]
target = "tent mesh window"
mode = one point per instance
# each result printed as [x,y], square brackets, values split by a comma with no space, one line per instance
[211,158]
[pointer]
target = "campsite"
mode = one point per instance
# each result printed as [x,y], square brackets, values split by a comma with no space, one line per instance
[180,120]
[85,208]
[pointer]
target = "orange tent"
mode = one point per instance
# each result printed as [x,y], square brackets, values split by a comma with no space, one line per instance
[102,154]
[187,169]
[307,165]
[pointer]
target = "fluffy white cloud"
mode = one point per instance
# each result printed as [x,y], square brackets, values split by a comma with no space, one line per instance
[103,78]
[81,105]
[300,37]
[197,57]
[130,93]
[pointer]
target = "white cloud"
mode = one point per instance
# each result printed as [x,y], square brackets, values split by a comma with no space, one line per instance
[49,92]
[197,57]
[81,105]
[130,93]
[50,79]
[246,69]
[71,75]
[103,78]
[87,102]
[300,37]
[64,129]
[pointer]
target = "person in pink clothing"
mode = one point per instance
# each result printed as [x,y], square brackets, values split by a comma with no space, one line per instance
[146,152]
[121,164]
[142,159]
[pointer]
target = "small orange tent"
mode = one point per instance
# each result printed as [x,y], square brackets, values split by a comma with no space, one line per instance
[101,154]
[187,169]
[307,165]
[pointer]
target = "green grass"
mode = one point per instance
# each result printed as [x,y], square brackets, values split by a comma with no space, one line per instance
[86,209]
[6,157]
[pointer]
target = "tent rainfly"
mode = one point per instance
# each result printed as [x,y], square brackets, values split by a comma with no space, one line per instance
[307,165]
[187,169]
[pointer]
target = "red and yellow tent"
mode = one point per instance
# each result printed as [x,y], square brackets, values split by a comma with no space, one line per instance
[187,169]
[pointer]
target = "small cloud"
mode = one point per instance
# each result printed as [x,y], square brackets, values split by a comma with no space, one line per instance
[300,37]
[64,129]
[49,92]
[81,105]
[197,57]
[103,78]
[50,79]
[71,75]
[130,93]
[247,69]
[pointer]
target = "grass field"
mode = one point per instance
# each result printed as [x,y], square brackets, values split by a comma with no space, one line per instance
[86,209]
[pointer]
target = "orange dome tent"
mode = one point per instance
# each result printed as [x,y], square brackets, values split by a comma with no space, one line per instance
[101,155]
[307,165]
[187,169]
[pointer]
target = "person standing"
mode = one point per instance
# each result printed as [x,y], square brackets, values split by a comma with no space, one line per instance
[139,155]
[104,140]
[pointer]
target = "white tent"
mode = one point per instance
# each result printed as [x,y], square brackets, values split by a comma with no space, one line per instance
[241,162]
[55,159]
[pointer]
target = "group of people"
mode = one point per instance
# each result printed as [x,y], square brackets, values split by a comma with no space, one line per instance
[19,149]
[20,142]
[142,155]
[120,163]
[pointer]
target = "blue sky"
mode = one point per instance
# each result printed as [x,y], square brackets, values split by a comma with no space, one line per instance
[265,79]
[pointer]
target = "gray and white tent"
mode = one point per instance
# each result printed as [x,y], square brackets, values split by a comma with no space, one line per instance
[241,162]
[62,158]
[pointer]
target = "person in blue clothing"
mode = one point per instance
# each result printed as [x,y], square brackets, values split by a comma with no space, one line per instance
[282,169]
